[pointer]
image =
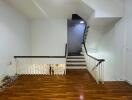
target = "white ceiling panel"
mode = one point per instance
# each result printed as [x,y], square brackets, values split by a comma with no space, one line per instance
[51,9]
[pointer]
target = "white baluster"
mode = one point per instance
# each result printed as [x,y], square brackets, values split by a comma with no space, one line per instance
[38,68]
[43,68]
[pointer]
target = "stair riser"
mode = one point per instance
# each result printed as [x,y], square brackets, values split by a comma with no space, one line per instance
[76,62]
[72,63]
[78,67]
[75,65]
[75,58]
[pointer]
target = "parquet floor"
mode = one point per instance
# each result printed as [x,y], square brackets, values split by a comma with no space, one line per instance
[76,85]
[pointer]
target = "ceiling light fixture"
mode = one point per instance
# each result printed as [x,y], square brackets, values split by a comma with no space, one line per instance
[82,22]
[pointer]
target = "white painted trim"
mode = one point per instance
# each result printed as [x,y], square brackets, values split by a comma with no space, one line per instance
[129,82]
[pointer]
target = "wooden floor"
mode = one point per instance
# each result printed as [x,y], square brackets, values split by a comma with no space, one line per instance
[76,85]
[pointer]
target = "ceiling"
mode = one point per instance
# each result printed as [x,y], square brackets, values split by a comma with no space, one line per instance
[104,23]
[51,9]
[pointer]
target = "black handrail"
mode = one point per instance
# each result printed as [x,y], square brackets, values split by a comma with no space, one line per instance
[39,57]
[92,56]
[65,50]
[85,32]
[84,38]
[99,60]
[97,64]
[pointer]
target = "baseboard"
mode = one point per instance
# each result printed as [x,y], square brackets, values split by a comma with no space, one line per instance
[1,78]
[76,68]
[129,82]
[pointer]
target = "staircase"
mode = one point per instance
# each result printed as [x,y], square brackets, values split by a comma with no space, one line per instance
[76,62]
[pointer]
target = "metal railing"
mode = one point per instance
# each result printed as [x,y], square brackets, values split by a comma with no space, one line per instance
[95,66]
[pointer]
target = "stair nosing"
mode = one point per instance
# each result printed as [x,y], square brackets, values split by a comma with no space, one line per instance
[75,58]
[76,65]
[76,61]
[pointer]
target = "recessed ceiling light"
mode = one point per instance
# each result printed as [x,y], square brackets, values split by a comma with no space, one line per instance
[81,22]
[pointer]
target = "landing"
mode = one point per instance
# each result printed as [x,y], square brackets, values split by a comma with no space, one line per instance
[76,85]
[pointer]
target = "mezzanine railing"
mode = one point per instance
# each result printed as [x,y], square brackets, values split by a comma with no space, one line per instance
[40,65]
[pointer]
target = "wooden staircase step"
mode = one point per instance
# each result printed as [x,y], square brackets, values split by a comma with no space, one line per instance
[76,67]
[75,60]
[75,63]
[75,57]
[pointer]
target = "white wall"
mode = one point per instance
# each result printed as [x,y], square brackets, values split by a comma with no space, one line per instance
[112,50]
[93,39]
[18,37]
[49,37]
[14,37]
[115,47]
[128,49]
[109,46]
[117,44]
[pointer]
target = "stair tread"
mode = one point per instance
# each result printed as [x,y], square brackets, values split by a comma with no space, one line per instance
[77,67]
[76,63]
[75,58]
